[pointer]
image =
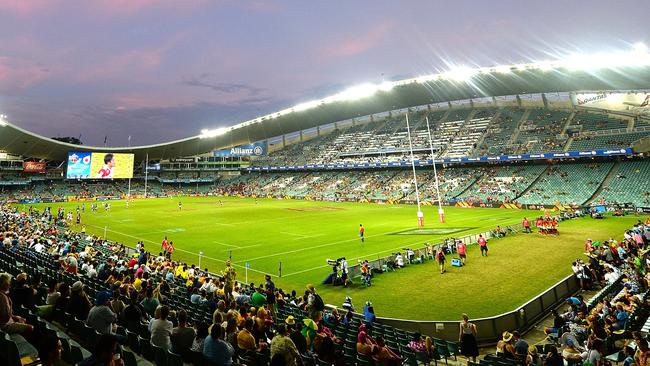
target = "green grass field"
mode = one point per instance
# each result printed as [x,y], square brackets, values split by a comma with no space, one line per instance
[302,234]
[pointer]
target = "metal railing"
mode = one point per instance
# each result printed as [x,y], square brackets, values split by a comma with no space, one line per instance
[490,329]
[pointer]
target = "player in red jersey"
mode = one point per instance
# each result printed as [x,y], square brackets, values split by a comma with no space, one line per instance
[526,225]
[462,250]
[107,170]
[483,244]
[164,244]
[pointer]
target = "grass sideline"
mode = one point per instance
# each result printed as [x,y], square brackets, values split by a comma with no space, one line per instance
[302,234]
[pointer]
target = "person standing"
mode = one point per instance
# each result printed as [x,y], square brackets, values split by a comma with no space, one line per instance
[362,232]
[420,219]
[462,251]
[526,225]
[440,257]
[467,338]
[483,244]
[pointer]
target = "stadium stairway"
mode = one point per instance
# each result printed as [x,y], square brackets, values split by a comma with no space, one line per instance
[524,118]
[605,182]
[532,184]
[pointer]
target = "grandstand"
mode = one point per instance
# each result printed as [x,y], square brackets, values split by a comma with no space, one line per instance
[311,172]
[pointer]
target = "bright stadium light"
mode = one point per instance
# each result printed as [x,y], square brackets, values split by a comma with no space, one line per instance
[461,73]
[640,47]
[637,56]
[213,133]
[503,69]
[3,120]
[304,106]
[356,92]
[544,65]
[386,86]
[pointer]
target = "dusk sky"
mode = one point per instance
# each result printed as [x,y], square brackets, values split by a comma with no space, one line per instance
[163,70]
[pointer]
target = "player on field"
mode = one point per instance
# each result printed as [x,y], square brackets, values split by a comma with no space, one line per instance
[164,244]
[483,244]
[462,250]
[526,225]
[170,250]
[420,219]
[180,206]
[440,257]
[362,232]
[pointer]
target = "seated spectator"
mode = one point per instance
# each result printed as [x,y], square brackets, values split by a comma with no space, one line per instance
[101,318]
[79,304]
[53,293]
[134,314]
[385,355]
[505,347]
[571,354]
[365,345]
[295,333]
[182,336]
[10,323]
[50,350]
[61,304]
[553,358]
[201,333]
[216,350]
[161,330]
[245,339]
[282,345]
[150,303]
[104,353]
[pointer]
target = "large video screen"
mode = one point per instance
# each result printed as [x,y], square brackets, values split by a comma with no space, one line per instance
[95,165]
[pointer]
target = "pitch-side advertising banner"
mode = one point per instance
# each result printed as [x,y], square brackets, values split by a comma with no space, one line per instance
[254,149]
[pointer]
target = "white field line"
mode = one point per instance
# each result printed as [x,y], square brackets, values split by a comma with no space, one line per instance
[293,234]
[182,250]
[330,244]
[228,245]
[367,256]
[236,264]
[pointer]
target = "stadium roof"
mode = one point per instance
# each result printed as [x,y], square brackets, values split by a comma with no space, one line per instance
[605,72]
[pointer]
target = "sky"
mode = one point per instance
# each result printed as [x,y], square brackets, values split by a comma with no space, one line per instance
[163,70]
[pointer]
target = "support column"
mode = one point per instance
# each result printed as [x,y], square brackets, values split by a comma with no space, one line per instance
[284,141]
[318,131]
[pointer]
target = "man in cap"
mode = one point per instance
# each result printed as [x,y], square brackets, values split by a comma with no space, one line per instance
[101,317]
[79,304]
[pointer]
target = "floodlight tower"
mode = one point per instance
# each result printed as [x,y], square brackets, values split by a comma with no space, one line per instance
[441,212]
[415,178]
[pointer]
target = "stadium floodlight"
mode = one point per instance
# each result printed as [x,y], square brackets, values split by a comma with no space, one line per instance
[304,106]
[544,65]
[461,73]
[213,132]
[640,47]
[354,93]
[503,69]
[386,86]
[3,120]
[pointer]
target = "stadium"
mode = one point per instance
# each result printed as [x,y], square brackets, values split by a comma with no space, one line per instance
[358,228]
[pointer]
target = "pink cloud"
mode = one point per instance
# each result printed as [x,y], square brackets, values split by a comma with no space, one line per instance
[17,75]
[358,43]
[24,7]
[101,8]
[134,61]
